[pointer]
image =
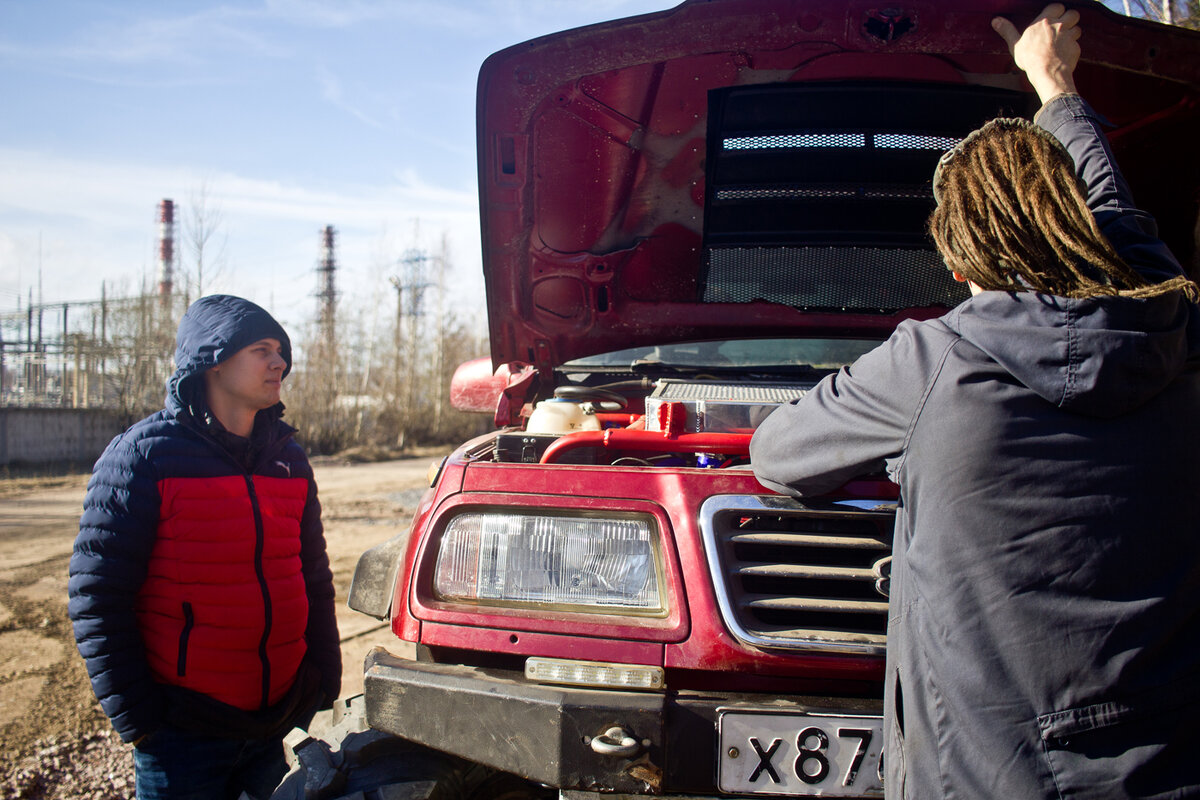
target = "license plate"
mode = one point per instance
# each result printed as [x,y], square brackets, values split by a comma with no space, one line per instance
[809,755]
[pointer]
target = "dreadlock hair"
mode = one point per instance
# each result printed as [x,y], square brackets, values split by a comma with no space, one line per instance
[1012,215]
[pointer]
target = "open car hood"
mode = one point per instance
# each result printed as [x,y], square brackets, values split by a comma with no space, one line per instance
[744,168]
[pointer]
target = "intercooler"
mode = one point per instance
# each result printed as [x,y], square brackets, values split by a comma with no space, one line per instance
[713,407]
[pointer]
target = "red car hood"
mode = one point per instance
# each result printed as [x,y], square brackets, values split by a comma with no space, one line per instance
[601,176]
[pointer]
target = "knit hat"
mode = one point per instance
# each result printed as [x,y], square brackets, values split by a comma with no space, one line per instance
[213,330]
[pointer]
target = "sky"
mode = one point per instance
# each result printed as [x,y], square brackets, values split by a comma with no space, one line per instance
[282,116]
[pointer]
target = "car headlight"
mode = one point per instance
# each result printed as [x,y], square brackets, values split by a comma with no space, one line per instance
[596,564]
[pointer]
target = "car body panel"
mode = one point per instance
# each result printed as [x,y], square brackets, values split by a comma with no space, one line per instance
[592,151]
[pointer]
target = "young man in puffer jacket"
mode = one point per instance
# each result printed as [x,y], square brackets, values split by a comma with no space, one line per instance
[200,589]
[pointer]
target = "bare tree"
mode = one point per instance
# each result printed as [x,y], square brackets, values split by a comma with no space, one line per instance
[133,354]
[1184,13]
[204,239]
[386,388]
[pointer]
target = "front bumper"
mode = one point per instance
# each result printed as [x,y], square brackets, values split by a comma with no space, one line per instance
[564,736]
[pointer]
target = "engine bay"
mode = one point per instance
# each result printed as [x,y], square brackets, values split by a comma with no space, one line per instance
[680,423]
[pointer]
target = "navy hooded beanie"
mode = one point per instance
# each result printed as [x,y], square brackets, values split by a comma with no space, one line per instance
[213,330]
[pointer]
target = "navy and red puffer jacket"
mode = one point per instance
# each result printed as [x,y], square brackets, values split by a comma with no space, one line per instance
[223,608]
[200,589]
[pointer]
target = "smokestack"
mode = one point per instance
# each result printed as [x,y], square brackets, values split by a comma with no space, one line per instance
[327,294]
[166,248]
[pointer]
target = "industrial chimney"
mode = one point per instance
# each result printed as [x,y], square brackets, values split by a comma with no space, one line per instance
[325,352]
[166,249]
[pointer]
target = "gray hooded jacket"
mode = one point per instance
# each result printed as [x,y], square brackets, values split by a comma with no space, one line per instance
[1044,631]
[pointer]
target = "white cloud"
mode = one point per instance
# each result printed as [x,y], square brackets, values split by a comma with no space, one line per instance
[348,13]
[138,40]
[88,222]
[88,218]
[332,92]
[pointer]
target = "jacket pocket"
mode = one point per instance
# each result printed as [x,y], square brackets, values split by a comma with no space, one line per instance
[185,634]
[1138,748]
[893,748]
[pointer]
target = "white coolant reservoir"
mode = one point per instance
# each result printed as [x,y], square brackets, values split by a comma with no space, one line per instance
[560,416]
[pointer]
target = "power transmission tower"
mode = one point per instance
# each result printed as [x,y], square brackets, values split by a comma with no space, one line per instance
[410,285]
[327,295]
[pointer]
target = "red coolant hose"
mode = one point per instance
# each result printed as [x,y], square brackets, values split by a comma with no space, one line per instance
[650,441]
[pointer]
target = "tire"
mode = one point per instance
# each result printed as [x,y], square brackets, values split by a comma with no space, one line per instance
[477,782]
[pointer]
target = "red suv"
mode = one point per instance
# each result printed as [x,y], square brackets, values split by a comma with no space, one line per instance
[688,218]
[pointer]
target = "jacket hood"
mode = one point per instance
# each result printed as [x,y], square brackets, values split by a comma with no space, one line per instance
[1099,357]
[214,329]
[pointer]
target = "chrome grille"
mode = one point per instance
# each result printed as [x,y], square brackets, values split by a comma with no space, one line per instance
[793,577]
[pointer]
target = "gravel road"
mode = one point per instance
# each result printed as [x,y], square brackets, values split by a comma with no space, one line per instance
[55,743]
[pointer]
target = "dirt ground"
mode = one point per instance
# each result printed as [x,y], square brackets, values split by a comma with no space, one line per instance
[55,742]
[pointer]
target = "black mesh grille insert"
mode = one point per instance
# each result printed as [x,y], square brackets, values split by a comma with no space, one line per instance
[797,140]
[908,141]
[841,278]
[817,194]
[902,141]
[827,192]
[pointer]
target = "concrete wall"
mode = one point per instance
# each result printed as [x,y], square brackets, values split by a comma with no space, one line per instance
[47,435]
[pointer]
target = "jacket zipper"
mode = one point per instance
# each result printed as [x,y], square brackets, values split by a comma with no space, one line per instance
[259,541]
[259,538]
[188,621]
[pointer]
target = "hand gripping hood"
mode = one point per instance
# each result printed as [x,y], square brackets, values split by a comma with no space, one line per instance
[734,168]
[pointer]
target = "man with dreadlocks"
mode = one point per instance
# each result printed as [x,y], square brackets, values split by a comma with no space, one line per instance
[1045,590]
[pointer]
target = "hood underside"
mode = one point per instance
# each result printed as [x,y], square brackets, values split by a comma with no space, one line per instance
[744,168]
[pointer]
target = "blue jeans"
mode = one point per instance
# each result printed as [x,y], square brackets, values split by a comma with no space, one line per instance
[171,764]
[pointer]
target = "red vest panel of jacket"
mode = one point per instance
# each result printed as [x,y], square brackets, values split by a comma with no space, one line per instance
[223,609]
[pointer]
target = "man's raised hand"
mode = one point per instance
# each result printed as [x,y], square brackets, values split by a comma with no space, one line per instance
[1047,50]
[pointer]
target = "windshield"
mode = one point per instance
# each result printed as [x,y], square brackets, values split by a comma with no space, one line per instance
[821,354]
